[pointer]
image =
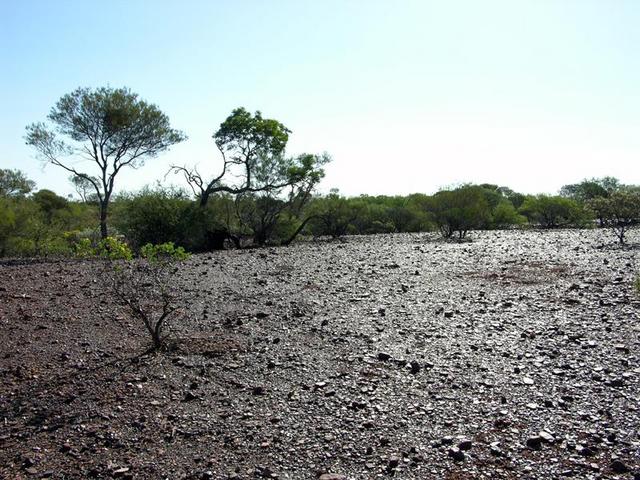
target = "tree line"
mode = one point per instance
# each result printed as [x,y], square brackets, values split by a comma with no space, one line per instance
[40,223]
[260,195]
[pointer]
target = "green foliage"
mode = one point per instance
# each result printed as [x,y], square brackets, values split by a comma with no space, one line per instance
[36,225]
[505,215]
[619,211]
[254,162]
[7,222]
[49,203]
[110,248]
[47,224]
[336,216]
[242,132]
[83,248]
[418,204]
[14,183]
[127,130]
[163,215]
[554,211]
[460,210]
[85,189]
[163,252]
[331,215]
[113,248]
[258,216]
[272,215]
[147,286]
[595,188]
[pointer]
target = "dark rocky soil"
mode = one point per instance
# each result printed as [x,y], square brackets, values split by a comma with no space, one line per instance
[396,356]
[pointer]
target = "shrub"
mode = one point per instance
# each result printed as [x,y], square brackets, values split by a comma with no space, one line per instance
[147,288]
[505,215]
[110,248]
[113,249]
[554,211]
[163,215]
[163,252]
[83,248]
[331,215]
[589,189]
[457,211]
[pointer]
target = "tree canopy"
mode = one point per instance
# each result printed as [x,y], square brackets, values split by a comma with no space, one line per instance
[459,210]
[252,150]
[14,183]
[106,127]
[619,211]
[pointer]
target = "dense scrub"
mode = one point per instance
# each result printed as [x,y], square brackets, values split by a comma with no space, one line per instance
[45,224]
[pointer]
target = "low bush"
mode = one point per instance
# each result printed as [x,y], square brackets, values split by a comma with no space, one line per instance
[147,287]
[110,248]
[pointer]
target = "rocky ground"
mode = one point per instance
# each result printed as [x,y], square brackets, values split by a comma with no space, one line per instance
[395,356]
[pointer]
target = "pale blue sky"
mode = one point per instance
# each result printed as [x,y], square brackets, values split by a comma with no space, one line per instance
[407,96]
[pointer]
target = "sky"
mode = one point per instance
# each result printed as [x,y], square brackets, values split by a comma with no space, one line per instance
[406,96]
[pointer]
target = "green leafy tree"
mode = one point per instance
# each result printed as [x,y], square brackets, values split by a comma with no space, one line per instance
[271,215]
[40,225]
[457,211]
[504,215]
[619,212]
[14,183]
[84,189]
[50,203]
[331,215]
[256,169]
[503,212]
[418,204]
[516,199]
[110,129]
[553,211]
[251,148]
[160,215]
[590,189]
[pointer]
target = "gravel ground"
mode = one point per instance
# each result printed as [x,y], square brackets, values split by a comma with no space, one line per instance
[393,356]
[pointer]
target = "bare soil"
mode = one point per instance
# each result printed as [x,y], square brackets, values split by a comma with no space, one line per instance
[394,356]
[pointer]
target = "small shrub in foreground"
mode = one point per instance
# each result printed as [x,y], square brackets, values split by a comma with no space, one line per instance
[146,287]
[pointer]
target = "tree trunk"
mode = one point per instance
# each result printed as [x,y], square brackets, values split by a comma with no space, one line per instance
[204,199]
[298,230]
[103,219]
[260,238]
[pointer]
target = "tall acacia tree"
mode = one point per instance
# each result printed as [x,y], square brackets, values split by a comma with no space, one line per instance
[108,128]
